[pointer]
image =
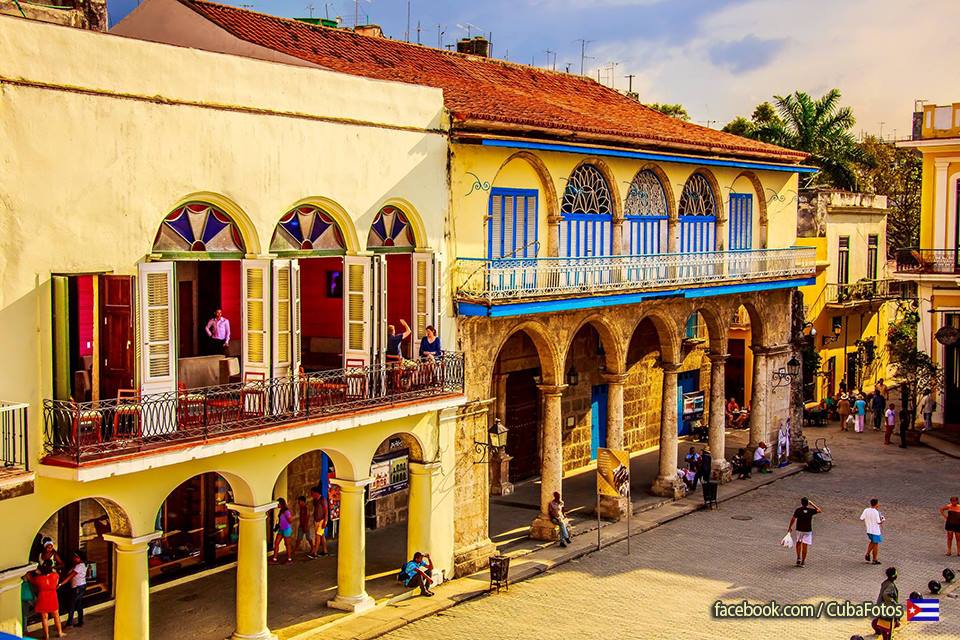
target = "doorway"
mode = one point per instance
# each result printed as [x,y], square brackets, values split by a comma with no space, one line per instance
[733,375]
[523,420]
[687,382]
[321,313]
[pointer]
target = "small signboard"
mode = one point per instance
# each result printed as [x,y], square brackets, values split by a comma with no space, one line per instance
[693,405]
[613,472]
[390,474]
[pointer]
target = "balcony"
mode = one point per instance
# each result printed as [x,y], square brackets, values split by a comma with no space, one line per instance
[16,479]
[928,263]
[84,432]
[497,282]
[868,292]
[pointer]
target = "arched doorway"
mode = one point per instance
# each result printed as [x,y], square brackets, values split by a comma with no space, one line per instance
[646,215]
[517,373]
[697,214]
[587,210]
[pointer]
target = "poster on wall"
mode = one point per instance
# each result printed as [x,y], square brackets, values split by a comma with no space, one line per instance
[390,474]
[693,405]
[333,498]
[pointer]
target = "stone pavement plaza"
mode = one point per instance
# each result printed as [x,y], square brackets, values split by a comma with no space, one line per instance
[666,587]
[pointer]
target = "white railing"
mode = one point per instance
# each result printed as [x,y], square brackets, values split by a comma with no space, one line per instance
[524,278]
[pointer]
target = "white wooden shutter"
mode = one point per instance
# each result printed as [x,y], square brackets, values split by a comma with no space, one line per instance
[158,360]
[296,319]
[282,310]
[421,281]
[380,319]
[356,309]
[256,317]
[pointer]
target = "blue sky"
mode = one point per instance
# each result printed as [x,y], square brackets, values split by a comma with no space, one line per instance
[717,57]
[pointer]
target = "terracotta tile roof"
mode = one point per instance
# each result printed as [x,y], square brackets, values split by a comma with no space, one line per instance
[485,93]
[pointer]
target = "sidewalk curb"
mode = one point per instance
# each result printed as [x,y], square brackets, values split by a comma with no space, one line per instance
[531,569]
[941,446]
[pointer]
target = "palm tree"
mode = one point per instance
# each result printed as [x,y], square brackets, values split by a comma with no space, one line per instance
[820,127]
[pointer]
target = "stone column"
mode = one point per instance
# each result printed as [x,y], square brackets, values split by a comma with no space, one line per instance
[11,618]
[251,610]
[721,470]
[553,236]
[500,406]
[551,464]
[612,507]
[131,608]
[617,239]
[351,549]
[758,397]
[667,483]
[420,507]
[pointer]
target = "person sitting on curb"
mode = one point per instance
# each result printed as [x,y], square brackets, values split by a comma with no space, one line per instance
[760,460]
[417,573]
[559,518]
[740,465]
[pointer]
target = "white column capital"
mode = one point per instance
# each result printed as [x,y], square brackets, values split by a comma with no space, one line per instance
[10,578]
[552,389]
[252,511]
[351,486]
[424,468]
[130,543]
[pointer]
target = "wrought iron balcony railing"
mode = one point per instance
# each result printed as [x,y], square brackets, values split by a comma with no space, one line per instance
[478,279]
[928,261]
[80,432]
[13,434]
[867,291]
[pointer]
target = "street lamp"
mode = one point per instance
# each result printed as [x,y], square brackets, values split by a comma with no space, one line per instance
[784,376]
[496,442]
[837,330]
[573,378]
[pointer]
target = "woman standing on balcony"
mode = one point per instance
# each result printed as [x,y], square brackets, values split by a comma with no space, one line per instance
[430,344]
[284,529]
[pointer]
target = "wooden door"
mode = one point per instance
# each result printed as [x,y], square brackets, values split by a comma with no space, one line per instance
[523,422]
[116,334]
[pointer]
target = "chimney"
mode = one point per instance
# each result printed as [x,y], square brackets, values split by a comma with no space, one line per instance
[372,30]
[476,46]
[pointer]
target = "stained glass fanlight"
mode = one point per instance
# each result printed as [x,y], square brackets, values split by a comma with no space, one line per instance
[697,198]
[390,229]
[646,196]
[587,191]
[198,226]
[307,228]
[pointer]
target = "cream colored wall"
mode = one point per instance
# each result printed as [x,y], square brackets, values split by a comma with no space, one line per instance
[929,220]
[857,226]
[475,169]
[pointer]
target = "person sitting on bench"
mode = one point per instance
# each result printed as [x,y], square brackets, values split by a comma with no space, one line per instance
[740,465]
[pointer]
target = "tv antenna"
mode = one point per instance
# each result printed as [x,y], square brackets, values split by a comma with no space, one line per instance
[583,52]
[310,8]
[468,27]
[554,63]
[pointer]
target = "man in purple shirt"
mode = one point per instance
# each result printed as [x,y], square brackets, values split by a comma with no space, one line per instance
[218,328]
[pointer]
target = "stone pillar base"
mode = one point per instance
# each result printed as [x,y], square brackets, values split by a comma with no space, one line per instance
[543,529]
[473,558]
[266,635]
[669,487]
[613,507]
[354,604]
[722,471]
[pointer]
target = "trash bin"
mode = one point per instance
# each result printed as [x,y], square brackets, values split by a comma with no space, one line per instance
[710,494]
[499,572]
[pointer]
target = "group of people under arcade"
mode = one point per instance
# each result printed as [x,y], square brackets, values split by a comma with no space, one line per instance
[53,588]
[311,527]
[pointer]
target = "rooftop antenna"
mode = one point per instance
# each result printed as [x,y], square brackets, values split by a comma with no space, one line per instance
[418,32]
[881,129]
[449,46]
[310,8]
[407,38]
[554,54]
[583,52]
[468,27]
[568,65]
[440,33]
[630,77]
[326,9]
[613,76]
[250,6]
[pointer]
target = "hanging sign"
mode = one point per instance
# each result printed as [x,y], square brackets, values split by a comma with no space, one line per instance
[613,472]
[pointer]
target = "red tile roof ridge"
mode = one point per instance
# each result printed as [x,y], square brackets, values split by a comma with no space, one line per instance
[544,99]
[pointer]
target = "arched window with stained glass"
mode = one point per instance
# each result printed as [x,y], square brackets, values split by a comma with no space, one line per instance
[645,215]
[308,229]
[199,227]
[697,214]
[391,231]
[587,214]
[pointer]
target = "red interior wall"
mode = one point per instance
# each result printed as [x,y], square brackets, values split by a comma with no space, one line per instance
[321,316]
[85,314]
[230,294]
[399,297]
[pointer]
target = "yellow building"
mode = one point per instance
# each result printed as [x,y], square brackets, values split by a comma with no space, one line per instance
[934,265]
[144,194]
[850,304]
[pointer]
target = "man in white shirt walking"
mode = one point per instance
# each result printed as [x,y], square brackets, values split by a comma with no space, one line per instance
[873,520]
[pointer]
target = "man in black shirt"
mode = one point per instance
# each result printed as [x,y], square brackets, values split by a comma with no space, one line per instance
[395,340]
[803,518]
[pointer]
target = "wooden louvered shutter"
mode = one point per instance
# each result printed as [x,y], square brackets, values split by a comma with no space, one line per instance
[356,310]
[158,355]
[295,321]
[423,297]
[282,319]
[256,317]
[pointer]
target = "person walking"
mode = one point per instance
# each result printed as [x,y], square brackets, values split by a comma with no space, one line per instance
[284,531]
[873,520]
[76,583]
[803,518]
[704,467]
[951,516]
[904,426]
[304,526]
[559,518]
[878,405]
[860,411]
[45,582]
[843,409]
[891,421]
[889,596]
[321,513]
[927,406]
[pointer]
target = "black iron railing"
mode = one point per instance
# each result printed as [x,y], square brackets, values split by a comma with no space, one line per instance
[866,291]
[95,430]
[13,434]
[922,261]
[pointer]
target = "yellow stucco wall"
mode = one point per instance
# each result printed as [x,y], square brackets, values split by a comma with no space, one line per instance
[929,221]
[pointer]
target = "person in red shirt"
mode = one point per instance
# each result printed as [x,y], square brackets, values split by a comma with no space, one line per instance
[46,582]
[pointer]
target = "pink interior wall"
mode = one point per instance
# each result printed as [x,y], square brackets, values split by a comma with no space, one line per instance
[230,291]
[399,298]
[85,314]
[321,316]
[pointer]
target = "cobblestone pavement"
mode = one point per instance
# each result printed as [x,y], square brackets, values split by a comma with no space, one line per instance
[667,587]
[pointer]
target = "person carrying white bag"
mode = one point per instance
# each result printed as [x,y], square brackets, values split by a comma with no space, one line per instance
[803,518]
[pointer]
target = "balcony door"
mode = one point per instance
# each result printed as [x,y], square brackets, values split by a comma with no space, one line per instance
[697,215]
[741,221]
[512,232]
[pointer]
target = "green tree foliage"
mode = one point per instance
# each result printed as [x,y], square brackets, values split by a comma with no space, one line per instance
[894,172]
[740,126]
[672,110]
[915,369]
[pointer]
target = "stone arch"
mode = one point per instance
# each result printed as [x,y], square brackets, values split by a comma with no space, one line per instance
[346,469]
[757,327]
[714,318]
[120,521]
[420,239]
[550,199]
[616,202]
[714,186]
[244,226]
[411,440]
[759,193]
[243,492]
[340,215]
[668,334]
[551,363]
[615,356]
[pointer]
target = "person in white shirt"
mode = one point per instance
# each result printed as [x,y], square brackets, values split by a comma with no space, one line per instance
[873,520]
[76,583]
[218,329]
[760,460]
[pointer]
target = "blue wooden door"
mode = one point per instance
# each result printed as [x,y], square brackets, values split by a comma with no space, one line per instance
[598,419]
[698,234]
[512,232]
[741,221]
[687,382]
